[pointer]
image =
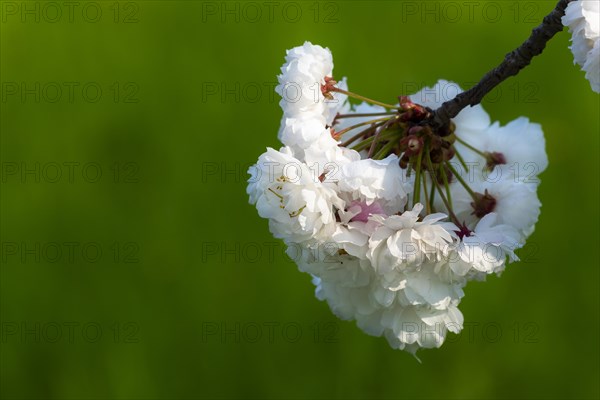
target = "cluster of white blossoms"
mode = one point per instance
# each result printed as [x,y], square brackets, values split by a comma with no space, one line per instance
[582,17]
[391,216]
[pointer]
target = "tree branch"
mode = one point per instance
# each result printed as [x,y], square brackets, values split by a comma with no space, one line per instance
[513,62]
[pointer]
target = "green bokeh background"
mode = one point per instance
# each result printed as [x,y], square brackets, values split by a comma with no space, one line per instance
[168,208]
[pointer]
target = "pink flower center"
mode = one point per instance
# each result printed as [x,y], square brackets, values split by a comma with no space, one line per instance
[366,210]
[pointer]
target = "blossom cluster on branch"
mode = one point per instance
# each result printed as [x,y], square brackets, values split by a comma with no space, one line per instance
[391,216]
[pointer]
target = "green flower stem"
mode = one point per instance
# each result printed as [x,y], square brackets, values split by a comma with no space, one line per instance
[448,205]
[432,193]
[358,96]
[340,116]
[367,142]
[462,161]
[446,185]
[481,153]
[361,124]
[384,151]
[359,135]
[427,201]
[417,191]
[439,189]
[462,181]
[377,135]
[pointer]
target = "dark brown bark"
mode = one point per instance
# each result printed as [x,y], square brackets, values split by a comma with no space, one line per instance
[512,64]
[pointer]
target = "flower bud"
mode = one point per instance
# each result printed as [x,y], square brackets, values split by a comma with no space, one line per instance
[436,155]
[412,111]
[411,145]
[414,130]
[405,103]
[435,143]
[449,153]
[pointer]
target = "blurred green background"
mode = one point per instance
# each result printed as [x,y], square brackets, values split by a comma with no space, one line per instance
[133,267]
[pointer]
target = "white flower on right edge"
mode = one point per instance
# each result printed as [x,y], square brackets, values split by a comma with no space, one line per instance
[582,17]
